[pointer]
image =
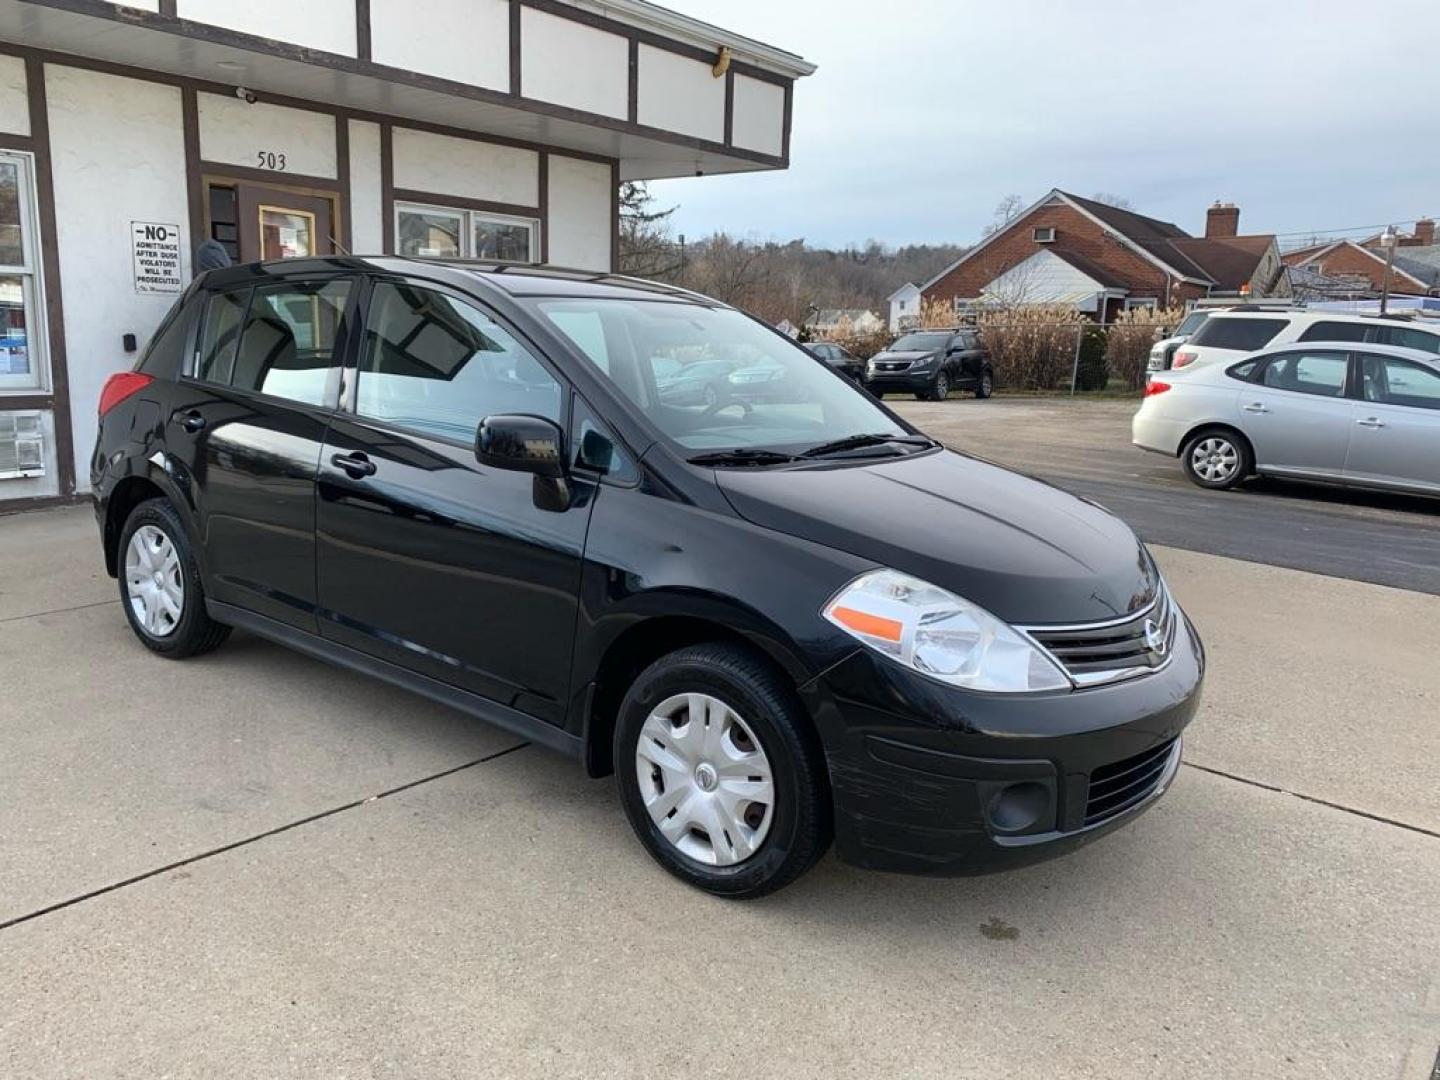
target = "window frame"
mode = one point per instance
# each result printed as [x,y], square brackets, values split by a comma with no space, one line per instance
[340,358]
[350,378]
[33,301]
[468,216]
[1263,362]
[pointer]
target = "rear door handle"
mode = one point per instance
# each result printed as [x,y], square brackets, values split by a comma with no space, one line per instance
[190,421]
[355,465]
[1371,422]
[1255,406]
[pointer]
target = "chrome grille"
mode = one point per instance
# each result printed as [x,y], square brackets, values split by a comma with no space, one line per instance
[892,365]
[1105,652]
[1116,787]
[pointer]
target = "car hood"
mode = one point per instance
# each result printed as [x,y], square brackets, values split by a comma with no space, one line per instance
[1022,549]
[904,355]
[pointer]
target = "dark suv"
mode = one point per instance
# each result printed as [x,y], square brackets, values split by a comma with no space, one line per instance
[931,363]
[779,618]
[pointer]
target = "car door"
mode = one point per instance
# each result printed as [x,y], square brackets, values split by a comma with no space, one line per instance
[461,572]
[1295,413]
[1395,437]
[245,426]
[970,359]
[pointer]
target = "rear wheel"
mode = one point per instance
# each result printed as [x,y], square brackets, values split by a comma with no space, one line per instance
[721,776]
[160,586]
[1216,459]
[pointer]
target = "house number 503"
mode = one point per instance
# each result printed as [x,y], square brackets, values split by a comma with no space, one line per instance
[269,159]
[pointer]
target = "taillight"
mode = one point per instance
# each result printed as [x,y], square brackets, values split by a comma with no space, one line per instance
[120,386]
[1184,358]
[1152,388]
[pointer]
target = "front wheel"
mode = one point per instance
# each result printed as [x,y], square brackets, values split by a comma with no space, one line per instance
[1216,459]
[986,386]
[721,776]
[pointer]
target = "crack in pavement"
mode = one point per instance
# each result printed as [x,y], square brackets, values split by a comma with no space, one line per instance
[1421,829]
[93,893]
[57,611]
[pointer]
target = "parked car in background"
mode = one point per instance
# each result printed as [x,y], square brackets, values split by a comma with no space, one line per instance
[1361,416]
[1225,336]
[841,359]
[704,382]
[931,363]
[778,624]
[1162,353]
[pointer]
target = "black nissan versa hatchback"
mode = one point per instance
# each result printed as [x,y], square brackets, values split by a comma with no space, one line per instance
[779,618]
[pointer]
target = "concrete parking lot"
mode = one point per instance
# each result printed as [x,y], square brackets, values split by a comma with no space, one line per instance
[255,865]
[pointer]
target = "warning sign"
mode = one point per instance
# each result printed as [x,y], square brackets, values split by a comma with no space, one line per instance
[156,254]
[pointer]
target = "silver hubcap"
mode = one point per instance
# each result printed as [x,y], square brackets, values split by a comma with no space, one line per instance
[153,582]
[1215,459]
[705,780]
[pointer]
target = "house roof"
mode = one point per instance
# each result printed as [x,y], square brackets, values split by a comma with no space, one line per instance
[1093,270]
[1229,261]
[1224,263]
[1420,264]
[832,316]
[901,289]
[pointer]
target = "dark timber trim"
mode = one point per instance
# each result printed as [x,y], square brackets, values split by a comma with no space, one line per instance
[363,43]
[632,106]
[729,106]
[387,187]
[268,176]
[615,217]
[515,81]
[369,68]
[22,402]
[50,271]
[194,184]
[345,239]
[544,194]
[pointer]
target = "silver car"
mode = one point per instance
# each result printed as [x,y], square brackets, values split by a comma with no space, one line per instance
[1365,416]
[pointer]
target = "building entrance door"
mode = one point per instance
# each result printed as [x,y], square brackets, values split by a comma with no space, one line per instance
[267,221]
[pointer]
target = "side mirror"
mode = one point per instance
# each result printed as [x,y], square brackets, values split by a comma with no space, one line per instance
[521,443]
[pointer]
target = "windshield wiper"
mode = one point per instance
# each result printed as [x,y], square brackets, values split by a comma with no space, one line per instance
[742,456]
[856,442]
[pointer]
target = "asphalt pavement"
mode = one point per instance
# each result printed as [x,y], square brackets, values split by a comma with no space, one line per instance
[1084,447]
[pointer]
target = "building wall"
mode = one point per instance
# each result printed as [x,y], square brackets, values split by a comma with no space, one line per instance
[234,133]
[327,25]
[367,211]
[759,115]
[680,94]
[581,213]
[569,63]
[466,168]
[464,40]
[118,155]
[14,100]
[1074,232]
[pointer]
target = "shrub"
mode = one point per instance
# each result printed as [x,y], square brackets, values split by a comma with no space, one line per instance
[1032,347]
[1130,337]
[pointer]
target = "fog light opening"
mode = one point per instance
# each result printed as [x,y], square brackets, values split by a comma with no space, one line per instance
[1017,808]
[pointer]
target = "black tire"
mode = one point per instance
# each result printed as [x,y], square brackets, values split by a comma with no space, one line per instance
[194,632]
[801,827]
[1216,458]
[940,388]
[986,386]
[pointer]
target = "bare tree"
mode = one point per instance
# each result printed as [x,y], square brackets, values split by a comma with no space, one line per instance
[1006,211]
[1109,198]
[646,249]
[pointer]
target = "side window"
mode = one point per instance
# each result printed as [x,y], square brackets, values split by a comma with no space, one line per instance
[586,330]
[438,366]
[1409,338]
[592,447]
[221,335]
[165,354]
[1245,372]
[287,346]
[1243,334]
[1319,373]
[1394,381]
[1338,331]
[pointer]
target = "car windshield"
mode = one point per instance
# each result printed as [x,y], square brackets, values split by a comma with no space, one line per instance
[919,342]
[761,391]
[1193,322]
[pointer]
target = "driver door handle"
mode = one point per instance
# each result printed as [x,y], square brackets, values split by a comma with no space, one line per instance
[1371,422]
[189,420]
[356,465]
[1256,407]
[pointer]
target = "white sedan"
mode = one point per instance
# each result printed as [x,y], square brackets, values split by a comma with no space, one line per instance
[1362,415]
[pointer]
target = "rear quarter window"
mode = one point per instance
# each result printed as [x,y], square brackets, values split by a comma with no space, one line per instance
[1337,331]
[1410,338]
[1242,335]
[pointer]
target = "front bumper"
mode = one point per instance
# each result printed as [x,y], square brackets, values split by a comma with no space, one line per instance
[899,382]
[928,779]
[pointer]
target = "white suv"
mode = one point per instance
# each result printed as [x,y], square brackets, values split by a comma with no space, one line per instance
[1228,335]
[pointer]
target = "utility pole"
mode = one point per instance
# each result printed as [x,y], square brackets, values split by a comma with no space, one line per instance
[1388,241]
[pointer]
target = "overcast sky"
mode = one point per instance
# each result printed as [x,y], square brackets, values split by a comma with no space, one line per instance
[1309,114]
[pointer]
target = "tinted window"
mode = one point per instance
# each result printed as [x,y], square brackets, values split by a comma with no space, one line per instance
[920,342]
[223,315]
[287,348]
[1244,335]
[1399,382]
[1319,373]
[439,365]
[1409,337]
[1338,331]
[166,351]
[1243,371]
[1193,322]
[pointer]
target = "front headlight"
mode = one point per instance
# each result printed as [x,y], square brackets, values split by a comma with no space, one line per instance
[941,635]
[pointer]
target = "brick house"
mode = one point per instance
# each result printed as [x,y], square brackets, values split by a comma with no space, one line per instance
[1416,270]
[1103,259]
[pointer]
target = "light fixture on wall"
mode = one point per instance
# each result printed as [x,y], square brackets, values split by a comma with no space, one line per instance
[722,62]
[247,96]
